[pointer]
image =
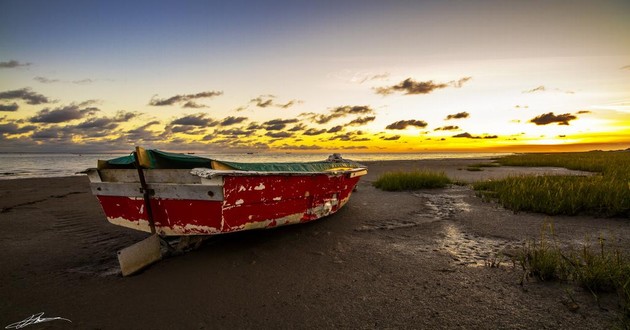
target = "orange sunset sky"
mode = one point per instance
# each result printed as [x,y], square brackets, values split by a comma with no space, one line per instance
[290,76]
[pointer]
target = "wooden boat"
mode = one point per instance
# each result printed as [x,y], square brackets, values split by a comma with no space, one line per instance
[172,194]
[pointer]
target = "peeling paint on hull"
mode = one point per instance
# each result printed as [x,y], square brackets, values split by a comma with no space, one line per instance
[255,201]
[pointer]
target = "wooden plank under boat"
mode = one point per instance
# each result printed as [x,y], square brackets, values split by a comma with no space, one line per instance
[179,195]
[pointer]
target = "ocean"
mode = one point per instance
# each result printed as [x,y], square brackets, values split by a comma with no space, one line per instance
[42,165]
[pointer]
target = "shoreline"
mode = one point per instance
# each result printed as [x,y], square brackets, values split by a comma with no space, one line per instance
[387,259]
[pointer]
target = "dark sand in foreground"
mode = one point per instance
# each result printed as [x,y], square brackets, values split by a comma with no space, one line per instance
[386,260]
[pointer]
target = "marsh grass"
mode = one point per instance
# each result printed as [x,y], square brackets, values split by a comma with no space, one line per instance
[605,194]
[401,181]
[598,268]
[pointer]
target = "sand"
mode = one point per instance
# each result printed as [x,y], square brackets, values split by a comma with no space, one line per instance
[386,260]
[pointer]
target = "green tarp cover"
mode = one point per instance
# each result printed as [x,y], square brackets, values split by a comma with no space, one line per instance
[161,159]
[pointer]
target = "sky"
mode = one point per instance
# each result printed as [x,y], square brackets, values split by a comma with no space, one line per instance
[314,76]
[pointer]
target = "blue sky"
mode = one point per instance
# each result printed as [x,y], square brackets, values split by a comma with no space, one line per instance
[516,61]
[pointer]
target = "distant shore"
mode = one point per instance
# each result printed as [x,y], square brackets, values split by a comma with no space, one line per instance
[386,260]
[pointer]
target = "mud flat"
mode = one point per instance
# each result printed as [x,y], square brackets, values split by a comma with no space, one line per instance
[387,260]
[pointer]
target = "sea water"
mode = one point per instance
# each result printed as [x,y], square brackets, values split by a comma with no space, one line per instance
[41,165]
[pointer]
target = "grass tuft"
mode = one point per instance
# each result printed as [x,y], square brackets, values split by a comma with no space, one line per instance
[597,268]
[402,181]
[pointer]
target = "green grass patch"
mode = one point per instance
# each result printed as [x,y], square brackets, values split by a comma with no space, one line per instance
[401,181]
[596,267]
[606,194]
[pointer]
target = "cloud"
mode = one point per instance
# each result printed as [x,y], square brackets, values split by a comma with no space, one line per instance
[9,107]
[289,104]
[625,67]
[540,88]
[403,124]
[13,64]
[298,127]
[278,124]
[62,114]
[313,132]
[458,115]
[124,116]
[350,136]
[185,98]
[390,138]
[447,128]
[234,132]
[412,87]
[25,94]
[583,112]
[198,120]
[264,101]
[193,105]
[339,112]
[13,128]
[550,118]
[363,77]
[232,120]
[335,129]
[361,121]
[47,134]
[45,80]
[279,134]
[98,123]
[470,136]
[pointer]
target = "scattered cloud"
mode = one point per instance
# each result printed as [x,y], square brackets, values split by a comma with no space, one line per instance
[361,121]
[124,116]
[279,134]
[232,120]
[25,94]
[45,80]
[458,115]
[540,88]
[198,120]
[583,112]
[521,106]
[62,114]
[335,129]
[339,112]
[550,118]
[412,87]
[12,64]
[265,101]
[9,107]
[193,105]
[447,128]
[183,99]
[362,77]
[390,138]
[278,124]
[313,132]
[470,136]
[403,124]
[12,129]
[625,67]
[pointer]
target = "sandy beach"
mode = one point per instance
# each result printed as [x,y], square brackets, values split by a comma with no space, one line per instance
[386,260]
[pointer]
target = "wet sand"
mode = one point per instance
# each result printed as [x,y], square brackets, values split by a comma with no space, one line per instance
[386,260]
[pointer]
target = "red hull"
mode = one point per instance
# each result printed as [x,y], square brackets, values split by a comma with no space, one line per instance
[233,201]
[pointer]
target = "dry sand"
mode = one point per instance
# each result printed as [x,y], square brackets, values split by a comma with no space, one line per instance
[386,260]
